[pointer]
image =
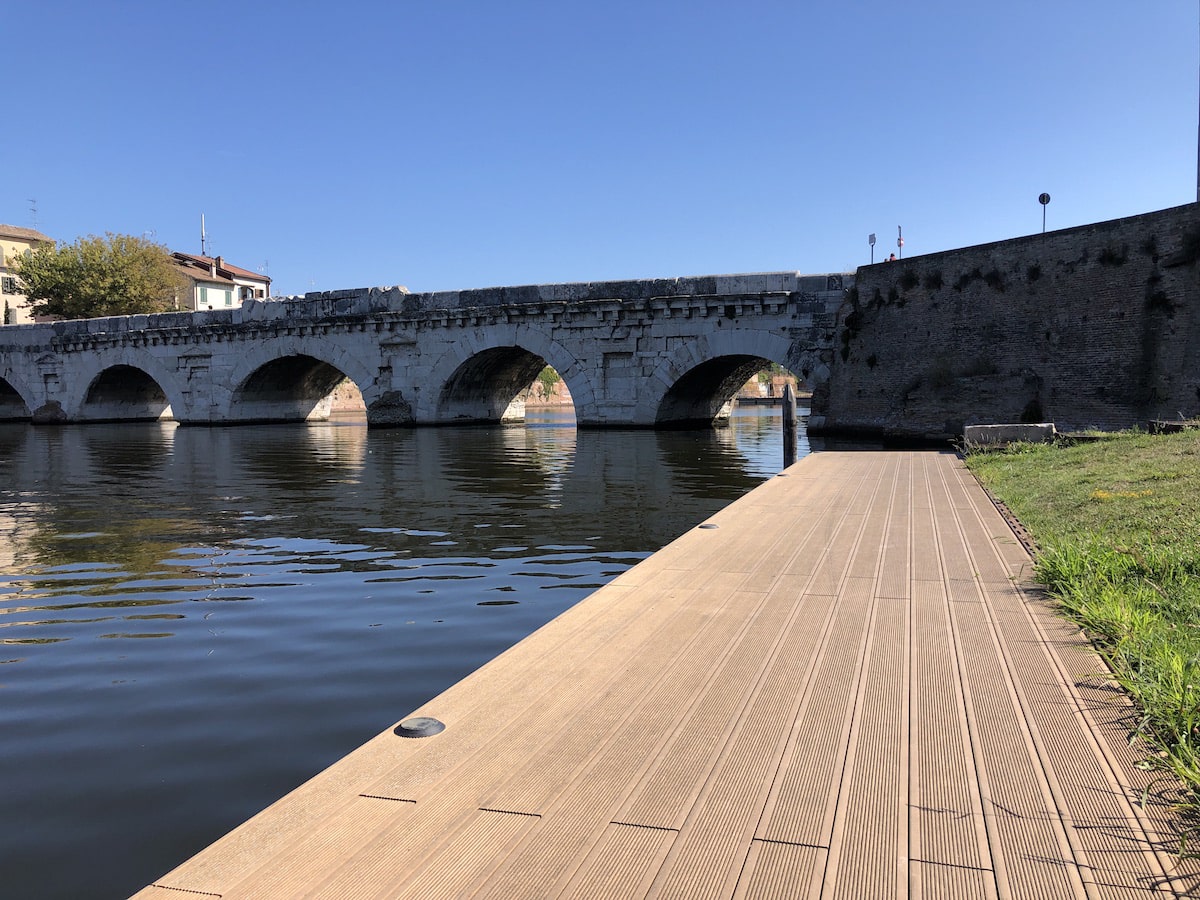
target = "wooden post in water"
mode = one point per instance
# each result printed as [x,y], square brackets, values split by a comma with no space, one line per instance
[789,426]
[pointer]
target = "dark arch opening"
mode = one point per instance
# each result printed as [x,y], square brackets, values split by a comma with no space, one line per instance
[704,396]
[124,394]
[497,385]
[12,406]
[289,389]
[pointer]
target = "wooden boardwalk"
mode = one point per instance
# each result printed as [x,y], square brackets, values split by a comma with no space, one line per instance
[840,686]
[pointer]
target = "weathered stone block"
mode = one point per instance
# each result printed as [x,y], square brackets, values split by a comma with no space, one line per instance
[1000,435]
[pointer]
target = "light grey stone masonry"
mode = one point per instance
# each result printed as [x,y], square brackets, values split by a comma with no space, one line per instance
[636,353]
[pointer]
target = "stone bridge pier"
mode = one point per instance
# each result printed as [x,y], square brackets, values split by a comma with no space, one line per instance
[651,353]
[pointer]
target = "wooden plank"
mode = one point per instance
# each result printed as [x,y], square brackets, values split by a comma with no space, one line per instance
[776,871]
[949,843]
[622,865]
[1032,854]
[945,805]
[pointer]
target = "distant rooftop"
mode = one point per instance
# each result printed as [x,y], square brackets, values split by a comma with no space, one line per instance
[202,267]
[24,234]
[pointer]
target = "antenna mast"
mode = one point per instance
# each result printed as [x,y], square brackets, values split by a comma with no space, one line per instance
[203,237]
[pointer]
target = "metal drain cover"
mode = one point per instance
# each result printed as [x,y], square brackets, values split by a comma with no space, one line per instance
[421,726]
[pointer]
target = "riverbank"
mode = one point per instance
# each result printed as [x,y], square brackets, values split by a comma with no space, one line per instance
[1118,524]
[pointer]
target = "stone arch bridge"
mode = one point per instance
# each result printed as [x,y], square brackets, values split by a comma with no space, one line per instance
[652,353]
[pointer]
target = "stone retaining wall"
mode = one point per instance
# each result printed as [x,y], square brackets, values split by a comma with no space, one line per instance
[1089,327]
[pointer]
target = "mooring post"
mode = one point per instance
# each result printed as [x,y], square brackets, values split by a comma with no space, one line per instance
[789,426]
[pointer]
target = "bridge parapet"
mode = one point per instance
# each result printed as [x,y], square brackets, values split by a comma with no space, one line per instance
[705,296]
[386,299]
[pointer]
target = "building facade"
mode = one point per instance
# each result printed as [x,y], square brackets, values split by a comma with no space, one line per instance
[215,284]
[16,241]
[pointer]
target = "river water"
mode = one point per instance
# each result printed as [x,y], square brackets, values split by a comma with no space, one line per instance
[193,621]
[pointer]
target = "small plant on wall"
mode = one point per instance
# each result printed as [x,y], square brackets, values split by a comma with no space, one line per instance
[547,379]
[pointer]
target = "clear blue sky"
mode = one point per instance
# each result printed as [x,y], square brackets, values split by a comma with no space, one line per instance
[458,143]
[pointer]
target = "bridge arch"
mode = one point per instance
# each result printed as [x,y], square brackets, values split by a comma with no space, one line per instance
[15,405]
[692,387]
[293,382]
[123,387]
[478,379]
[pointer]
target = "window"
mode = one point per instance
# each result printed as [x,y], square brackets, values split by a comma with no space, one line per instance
[229,298]
[10,285]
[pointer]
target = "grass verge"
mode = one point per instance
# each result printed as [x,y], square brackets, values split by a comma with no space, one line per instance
[1118,521]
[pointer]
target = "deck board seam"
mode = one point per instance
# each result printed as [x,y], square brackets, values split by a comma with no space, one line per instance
[167,887]
[784,843]
[641,825]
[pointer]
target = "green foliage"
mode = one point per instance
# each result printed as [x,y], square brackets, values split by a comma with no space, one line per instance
[548,378]
[1118,519]
[116,275]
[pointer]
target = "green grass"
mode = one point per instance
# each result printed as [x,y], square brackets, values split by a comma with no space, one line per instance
[1118,523]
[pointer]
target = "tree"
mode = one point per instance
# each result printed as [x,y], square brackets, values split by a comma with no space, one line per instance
[116,275]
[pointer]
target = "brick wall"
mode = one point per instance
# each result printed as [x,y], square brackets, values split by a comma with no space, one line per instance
[1096,326]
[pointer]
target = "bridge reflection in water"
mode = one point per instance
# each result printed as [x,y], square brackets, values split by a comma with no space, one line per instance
[192,621]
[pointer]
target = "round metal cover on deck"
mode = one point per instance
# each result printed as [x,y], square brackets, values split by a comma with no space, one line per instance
[421,726]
